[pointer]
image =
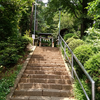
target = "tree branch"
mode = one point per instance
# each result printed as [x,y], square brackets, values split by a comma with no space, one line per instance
[73,10]
[80,2]
[77,6]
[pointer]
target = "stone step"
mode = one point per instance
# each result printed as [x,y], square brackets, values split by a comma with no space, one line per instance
[56,56]
[45,72]
[46,52]
[45,76]
[46,57]
[40,98]
[43,92]
[42,80]
[47,61]
[46,65]
[46,68]
[44,86]
[40,59]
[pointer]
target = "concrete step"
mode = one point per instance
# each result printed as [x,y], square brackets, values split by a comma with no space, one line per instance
[50,61]
[46,58]
[45,65]
[40,98]
[46,68]
[43,92]
[45,72]
[45,76]
[42,80]
[44,86]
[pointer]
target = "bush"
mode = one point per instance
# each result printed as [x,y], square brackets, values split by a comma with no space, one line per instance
[4,45]
[11,50]
[69,40]
[27,39]
[93,68]
[75,43]
[8,56]
[83,53]
[69,35]
[78,92]
[7,82]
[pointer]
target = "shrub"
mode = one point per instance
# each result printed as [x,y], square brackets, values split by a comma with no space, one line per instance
[83,53]
[11,50]
[8,56]
[27,39]
[96,49]
[75,43]
[7,82]
[69,40]
[69,35]
[78,92]
[93,68]
[4,45]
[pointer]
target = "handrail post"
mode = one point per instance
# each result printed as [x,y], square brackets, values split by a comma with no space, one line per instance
[93,90]
[64,51]
[61,42]
[72,65]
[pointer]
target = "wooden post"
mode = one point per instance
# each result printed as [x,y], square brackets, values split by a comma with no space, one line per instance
[52,42]
[40,42]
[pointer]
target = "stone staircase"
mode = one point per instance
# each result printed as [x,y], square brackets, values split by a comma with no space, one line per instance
[45,77]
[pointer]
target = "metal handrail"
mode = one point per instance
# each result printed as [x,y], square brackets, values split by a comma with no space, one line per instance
[81,66]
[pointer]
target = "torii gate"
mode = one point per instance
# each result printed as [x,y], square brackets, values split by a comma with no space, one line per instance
[46,37]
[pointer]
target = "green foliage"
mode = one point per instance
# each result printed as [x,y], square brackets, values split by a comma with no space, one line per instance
[11,50]
[69,35]
[1,8]
[11,15]
[94,12]
[27,39]
[78,92]
[9,56]
[47,42]
[75,43]
[69,40]
[83,53]
[92,66]
[93,33]
[93,36]
[8,82]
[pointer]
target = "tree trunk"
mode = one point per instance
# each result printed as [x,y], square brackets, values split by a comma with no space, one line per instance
[82,29]
[84,12]
[31,18]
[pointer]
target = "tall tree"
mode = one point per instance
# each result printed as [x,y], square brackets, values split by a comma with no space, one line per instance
[31,17]
[94,12]
[11,14]
[76,7]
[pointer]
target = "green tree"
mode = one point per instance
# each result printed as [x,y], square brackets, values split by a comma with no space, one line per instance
[10,16]
[94,12]
[75,7]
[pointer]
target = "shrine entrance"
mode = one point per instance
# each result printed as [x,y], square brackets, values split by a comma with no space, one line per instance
[46,39]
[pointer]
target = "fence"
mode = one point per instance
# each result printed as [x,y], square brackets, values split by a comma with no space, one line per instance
[61,40]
